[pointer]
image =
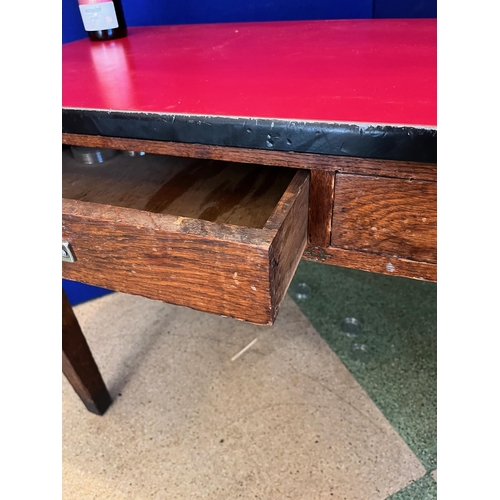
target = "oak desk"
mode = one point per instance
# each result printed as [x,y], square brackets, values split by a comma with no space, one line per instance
[265,143]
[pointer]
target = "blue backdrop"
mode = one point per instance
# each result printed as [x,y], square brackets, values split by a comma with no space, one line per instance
[157,12]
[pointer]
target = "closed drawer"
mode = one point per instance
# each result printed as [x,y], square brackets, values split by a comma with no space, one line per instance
[219,237]
[389,217]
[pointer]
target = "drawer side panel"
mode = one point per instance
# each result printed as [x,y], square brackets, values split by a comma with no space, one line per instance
[289,244]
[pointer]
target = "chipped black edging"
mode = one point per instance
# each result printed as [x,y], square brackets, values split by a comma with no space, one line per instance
[388,142]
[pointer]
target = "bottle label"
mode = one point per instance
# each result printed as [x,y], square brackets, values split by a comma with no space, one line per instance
[98,14]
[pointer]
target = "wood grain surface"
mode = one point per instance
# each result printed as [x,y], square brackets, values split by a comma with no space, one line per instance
[321,207]
[291,237]
[392,266]
[408,237]
[329,163]
[391,217]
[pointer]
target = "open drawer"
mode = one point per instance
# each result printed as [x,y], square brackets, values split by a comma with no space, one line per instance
[219,237]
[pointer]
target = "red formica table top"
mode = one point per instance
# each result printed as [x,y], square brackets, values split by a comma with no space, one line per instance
[355,71]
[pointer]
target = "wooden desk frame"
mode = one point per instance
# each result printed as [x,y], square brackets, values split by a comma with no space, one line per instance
[372,186]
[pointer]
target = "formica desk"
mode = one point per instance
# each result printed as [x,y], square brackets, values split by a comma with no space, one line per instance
[265,143]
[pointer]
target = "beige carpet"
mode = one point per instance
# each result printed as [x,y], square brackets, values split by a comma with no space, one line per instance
[285,420]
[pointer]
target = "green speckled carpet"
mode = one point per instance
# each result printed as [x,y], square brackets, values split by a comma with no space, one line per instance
[391,349]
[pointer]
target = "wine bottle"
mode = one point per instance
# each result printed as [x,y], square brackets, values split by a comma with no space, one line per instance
[103,19]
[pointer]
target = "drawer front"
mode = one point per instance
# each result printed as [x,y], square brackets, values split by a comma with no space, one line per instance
[241,272]
[391,217]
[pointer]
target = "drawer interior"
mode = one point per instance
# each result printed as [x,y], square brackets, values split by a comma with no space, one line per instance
[217,191]
[216,236]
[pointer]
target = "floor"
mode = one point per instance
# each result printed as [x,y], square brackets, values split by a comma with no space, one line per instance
[336,400]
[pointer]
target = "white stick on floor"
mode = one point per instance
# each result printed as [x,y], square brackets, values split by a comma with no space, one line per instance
[236,356]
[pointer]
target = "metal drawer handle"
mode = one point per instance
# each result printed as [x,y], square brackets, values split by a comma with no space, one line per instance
[67,254]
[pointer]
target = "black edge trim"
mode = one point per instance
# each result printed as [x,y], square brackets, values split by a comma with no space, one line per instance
[387,142]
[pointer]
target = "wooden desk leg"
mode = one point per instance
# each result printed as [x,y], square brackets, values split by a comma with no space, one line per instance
[78,364]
